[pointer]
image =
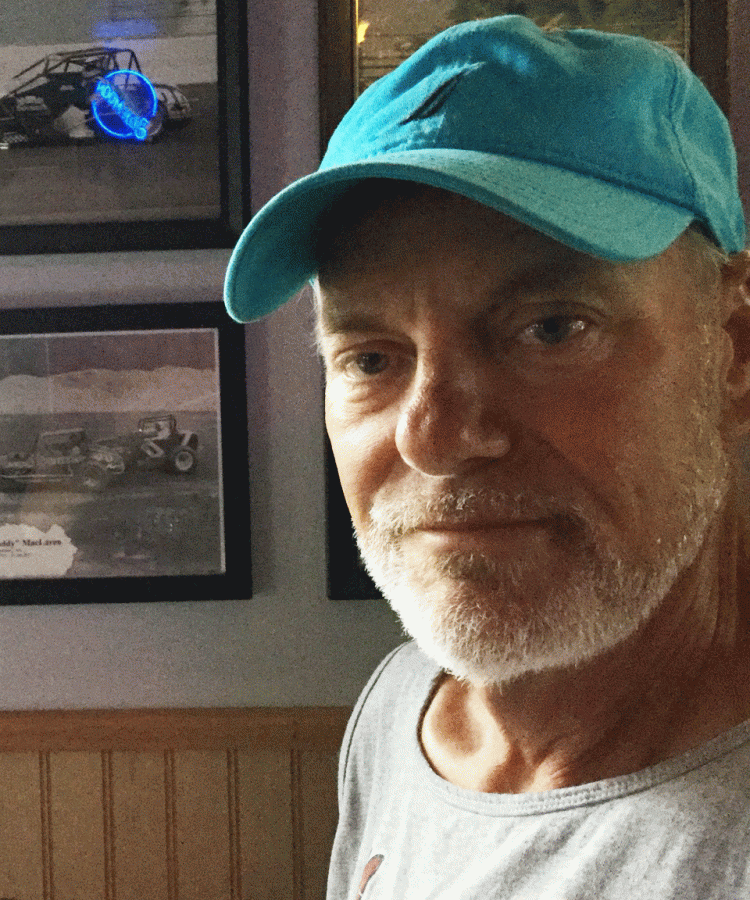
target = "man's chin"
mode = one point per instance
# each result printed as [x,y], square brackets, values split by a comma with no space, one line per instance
[494,616]
[492,625]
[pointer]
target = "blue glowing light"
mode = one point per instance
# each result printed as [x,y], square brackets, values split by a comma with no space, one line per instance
[124,104]
[127,28]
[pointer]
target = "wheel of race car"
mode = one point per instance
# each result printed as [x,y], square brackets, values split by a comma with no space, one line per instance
[183,461]
[156,125]
[91,478]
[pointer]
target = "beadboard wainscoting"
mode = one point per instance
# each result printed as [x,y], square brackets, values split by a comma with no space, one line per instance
[220,804]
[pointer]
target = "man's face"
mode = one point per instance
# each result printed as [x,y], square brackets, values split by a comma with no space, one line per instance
[528,439]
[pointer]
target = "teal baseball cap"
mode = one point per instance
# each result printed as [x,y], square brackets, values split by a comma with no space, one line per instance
[607,143]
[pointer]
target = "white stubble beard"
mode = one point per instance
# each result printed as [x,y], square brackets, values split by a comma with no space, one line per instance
[475,616]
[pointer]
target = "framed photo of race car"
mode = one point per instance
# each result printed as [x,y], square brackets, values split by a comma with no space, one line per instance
[123,455]
[123,126]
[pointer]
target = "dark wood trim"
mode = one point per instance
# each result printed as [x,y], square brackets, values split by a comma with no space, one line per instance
[337,25]
[709,46]
[173,729]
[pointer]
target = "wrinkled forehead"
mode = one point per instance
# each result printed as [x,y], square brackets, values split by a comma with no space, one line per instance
[382,216]
[392,242]
[378,240]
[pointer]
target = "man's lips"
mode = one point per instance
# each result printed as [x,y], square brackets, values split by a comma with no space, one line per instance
[473,510]
[484,532]
[460,525]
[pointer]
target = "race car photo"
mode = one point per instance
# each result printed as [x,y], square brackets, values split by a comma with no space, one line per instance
[69,457]
[61,457]
[158,443]
[50,102]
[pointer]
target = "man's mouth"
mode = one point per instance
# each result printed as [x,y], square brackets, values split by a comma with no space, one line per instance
[483,524]
[478,512]
[483,535]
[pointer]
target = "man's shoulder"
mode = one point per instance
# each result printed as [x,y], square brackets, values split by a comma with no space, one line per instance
[406,656]
[389,707]
[405,670]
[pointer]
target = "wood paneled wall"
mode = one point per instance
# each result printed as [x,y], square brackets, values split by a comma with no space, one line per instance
[233,804]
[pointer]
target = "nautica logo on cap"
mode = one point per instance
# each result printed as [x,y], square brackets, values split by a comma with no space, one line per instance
[436,101]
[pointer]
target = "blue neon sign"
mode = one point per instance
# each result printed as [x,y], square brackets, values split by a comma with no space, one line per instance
[124,104]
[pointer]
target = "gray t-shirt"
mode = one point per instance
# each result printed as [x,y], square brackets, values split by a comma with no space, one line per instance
[679,830]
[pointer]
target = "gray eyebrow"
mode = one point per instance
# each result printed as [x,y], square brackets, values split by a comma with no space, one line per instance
[554,274]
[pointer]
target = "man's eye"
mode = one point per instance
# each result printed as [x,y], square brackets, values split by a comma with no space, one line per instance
[371,363]
[553,330]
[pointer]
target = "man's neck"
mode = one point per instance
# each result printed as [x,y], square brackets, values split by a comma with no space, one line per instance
[683,679]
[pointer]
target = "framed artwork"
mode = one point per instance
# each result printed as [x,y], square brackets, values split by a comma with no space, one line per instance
[361,40]
[127,120]
[123,455]
[347,577]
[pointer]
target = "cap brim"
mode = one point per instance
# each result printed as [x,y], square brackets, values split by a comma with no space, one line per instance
[275,255]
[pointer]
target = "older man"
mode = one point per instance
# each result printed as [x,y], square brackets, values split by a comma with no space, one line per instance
[533,312]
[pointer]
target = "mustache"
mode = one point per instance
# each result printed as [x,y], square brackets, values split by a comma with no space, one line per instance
[399,516]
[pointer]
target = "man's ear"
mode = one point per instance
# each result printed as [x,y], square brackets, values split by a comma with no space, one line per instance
[736,308]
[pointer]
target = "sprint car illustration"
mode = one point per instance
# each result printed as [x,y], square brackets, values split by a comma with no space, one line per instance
[65,456]
[50,102]
[158,443]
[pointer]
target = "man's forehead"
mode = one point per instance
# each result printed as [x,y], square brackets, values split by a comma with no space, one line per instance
[488,251]
[374,218]
[386,222]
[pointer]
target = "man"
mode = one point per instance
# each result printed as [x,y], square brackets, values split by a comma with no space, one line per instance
[533,310]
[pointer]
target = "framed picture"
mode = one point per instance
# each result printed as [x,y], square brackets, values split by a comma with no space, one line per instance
[361,40]
[123,455]
[347,577]
[127,120]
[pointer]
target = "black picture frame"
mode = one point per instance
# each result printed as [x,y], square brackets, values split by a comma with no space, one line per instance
[347,578]
[121,514]
[171,232]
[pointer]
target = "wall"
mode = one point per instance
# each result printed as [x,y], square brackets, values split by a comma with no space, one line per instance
[288,645]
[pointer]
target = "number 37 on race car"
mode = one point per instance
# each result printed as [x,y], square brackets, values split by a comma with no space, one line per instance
[164,445]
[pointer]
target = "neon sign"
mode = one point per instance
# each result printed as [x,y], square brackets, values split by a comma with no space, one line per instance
[124,104]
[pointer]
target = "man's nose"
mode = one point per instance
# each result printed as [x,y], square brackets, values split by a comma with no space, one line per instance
[451,419]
